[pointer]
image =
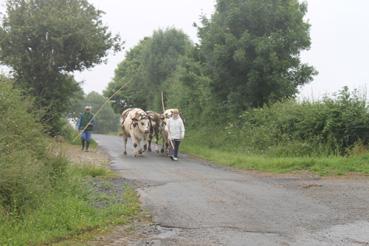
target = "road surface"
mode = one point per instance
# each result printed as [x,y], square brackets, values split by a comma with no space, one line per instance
[195,203]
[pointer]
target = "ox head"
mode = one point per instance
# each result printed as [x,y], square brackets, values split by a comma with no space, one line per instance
[167,114]
[141,121]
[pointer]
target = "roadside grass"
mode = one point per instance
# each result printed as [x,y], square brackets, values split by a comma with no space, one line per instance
[94,171]
[75,208]
[329,165]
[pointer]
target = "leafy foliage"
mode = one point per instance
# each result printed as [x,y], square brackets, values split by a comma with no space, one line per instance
[148,68]
[23,152]
[248,56]
[329,127]
[43,41]
[251,51]
[189,89]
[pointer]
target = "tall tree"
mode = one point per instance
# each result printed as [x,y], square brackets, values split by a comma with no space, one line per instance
[251,49]
[131,72]
[43,41]
[148,66]
[188,89]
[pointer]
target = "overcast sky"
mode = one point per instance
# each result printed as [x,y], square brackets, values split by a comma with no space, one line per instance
[339,34]
[134,20]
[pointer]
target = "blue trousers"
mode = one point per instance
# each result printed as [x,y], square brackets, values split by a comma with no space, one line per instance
[86,135]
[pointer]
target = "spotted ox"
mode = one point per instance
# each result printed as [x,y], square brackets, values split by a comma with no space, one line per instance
[155,127]
[135,125]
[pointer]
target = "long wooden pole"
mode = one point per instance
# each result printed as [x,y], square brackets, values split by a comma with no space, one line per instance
[162,101]
[99,110]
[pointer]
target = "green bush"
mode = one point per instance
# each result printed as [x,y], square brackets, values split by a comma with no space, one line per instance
[43,199]
[332,126]
[23,174]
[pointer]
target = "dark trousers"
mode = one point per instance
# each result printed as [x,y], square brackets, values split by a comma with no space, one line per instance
[175,143]
[85,139]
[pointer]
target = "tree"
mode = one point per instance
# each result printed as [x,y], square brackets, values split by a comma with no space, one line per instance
[188,89]
[148,66]
[43,41]
[131,72]
[251,50]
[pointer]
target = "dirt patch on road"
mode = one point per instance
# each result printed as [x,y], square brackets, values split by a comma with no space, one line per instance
[96,156]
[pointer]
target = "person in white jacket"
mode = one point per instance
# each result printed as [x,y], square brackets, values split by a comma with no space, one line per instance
[176,132]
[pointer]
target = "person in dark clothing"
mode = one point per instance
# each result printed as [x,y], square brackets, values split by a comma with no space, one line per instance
[85,124]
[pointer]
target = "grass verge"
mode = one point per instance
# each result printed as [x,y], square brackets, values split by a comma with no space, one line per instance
[86,199]
[331,165]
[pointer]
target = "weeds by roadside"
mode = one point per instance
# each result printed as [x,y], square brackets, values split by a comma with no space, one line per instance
[43,197]
[85,199]
[328,165]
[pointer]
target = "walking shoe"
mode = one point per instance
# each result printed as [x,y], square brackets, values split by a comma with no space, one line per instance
[175,158]
[172,157]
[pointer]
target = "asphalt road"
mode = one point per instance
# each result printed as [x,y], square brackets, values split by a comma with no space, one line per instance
[195,203]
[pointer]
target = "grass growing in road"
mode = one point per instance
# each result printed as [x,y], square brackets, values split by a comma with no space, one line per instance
[80,204]
[330,165]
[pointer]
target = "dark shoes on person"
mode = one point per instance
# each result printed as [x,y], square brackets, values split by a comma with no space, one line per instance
[85,146]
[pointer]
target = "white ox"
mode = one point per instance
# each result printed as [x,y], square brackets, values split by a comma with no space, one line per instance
[135,125]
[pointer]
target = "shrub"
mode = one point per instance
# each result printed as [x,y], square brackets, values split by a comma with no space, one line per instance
[329,127]
[23,174]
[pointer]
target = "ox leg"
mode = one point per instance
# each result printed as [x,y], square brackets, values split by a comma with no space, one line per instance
[125,145]
[149,143]
[146,140]
[163,145]
[145,146]
[149,146]
[136,146]
[167,150]
[157,140]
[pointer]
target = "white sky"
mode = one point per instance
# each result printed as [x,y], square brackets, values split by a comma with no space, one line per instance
[340,46]
[339,34]
[134,20]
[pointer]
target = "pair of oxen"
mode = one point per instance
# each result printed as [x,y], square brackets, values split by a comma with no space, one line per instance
[142,126]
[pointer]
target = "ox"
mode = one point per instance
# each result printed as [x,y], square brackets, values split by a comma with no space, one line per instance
[155,128]
[135,125]
[165,134]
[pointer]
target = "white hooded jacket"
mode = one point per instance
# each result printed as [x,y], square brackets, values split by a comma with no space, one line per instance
[176,128]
